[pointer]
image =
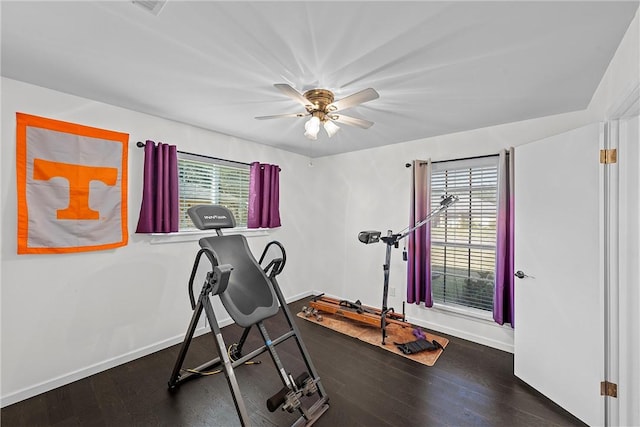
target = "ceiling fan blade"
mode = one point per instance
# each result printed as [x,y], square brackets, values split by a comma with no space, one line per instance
[279,116]
[352,121]
[292,93]
[363,96]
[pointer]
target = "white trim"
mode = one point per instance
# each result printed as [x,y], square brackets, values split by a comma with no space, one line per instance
[192,236]
[627,269]
[456,332]
[87,371]
[608,259]
[475,162]
[628,105]
[299,296]
[462,311]
[478,339]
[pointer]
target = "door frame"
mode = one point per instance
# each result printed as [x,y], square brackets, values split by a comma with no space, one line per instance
[616,265]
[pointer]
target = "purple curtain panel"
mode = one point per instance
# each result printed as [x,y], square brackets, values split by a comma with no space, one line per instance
[419,246]
[264,196]
[159,211]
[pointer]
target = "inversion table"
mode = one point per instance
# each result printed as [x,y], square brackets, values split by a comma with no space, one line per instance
[250,294]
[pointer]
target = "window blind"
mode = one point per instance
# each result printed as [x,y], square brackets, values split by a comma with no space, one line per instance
[204,180]
[463,239]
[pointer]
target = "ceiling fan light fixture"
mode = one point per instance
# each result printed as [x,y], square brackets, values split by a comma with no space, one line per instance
[331,128]
[312,127]
[320,105]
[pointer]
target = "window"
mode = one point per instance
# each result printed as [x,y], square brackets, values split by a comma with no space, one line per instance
[463,239]
[205,180]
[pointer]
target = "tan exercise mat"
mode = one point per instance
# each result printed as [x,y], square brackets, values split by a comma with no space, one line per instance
[373,335]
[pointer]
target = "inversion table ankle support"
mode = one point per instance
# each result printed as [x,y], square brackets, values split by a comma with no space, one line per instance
[250,294]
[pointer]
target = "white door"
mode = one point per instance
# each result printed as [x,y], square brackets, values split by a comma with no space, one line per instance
[559,332]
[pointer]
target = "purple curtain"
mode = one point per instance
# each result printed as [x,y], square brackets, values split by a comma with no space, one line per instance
[503,299]
[419,247]
[264,196]
[159,210]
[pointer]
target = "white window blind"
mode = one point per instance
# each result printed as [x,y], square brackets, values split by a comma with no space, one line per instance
[204,180]
[463,239]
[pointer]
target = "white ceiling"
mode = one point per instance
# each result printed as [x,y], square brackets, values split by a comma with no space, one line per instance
[439,67]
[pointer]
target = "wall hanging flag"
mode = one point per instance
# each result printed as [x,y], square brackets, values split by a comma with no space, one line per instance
[72,186]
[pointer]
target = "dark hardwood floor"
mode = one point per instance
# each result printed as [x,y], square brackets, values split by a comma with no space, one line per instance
[470,385]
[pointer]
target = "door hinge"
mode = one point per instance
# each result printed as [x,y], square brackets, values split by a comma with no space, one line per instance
[608,389]
[608,156]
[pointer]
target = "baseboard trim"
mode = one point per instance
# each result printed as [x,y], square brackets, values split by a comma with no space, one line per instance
[300,296]
[478,339]
[85,372]
[459,333]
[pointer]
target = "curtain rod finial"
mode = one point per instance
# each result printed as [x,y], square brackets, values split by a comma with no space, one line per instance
[140,144]
[407,165]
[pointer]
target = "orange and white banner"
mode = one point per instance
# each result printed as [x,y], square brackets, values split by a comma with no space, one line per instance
[72,186]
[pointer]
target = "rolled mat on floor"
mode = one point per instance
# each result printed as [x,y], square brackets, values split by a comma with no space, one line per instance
[373,335]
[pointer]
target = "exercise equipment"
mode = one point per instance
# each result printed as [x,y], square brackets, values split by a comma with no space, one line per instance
[354,311]
[310,311]
[373,316]
[250,294]
[418,346]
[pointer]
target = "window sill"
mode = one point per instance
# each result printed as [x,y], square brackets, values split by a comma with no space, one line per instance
[466,312]
[191,236]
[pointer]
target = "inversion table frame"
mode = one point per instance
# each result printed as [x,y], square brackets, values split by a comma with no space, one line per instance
[220,281]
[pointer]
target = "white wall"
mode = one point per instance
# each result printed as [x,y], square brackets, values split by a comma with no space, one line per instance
[68,316]
[370,190]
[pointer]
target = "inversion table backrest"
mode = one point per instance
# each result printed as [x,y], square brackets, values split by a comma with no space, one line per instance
[249,297]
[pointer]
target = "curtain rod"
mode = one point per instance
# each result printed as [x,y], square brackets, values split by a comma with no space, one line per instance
[141,144]
[408,165]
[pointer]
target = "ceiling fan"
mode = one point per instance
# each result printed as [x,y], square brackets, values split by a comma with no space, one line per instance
[320,105]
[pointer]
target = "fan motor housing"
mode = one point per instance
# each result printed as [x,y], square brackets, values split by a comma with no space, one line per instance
[320,98]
